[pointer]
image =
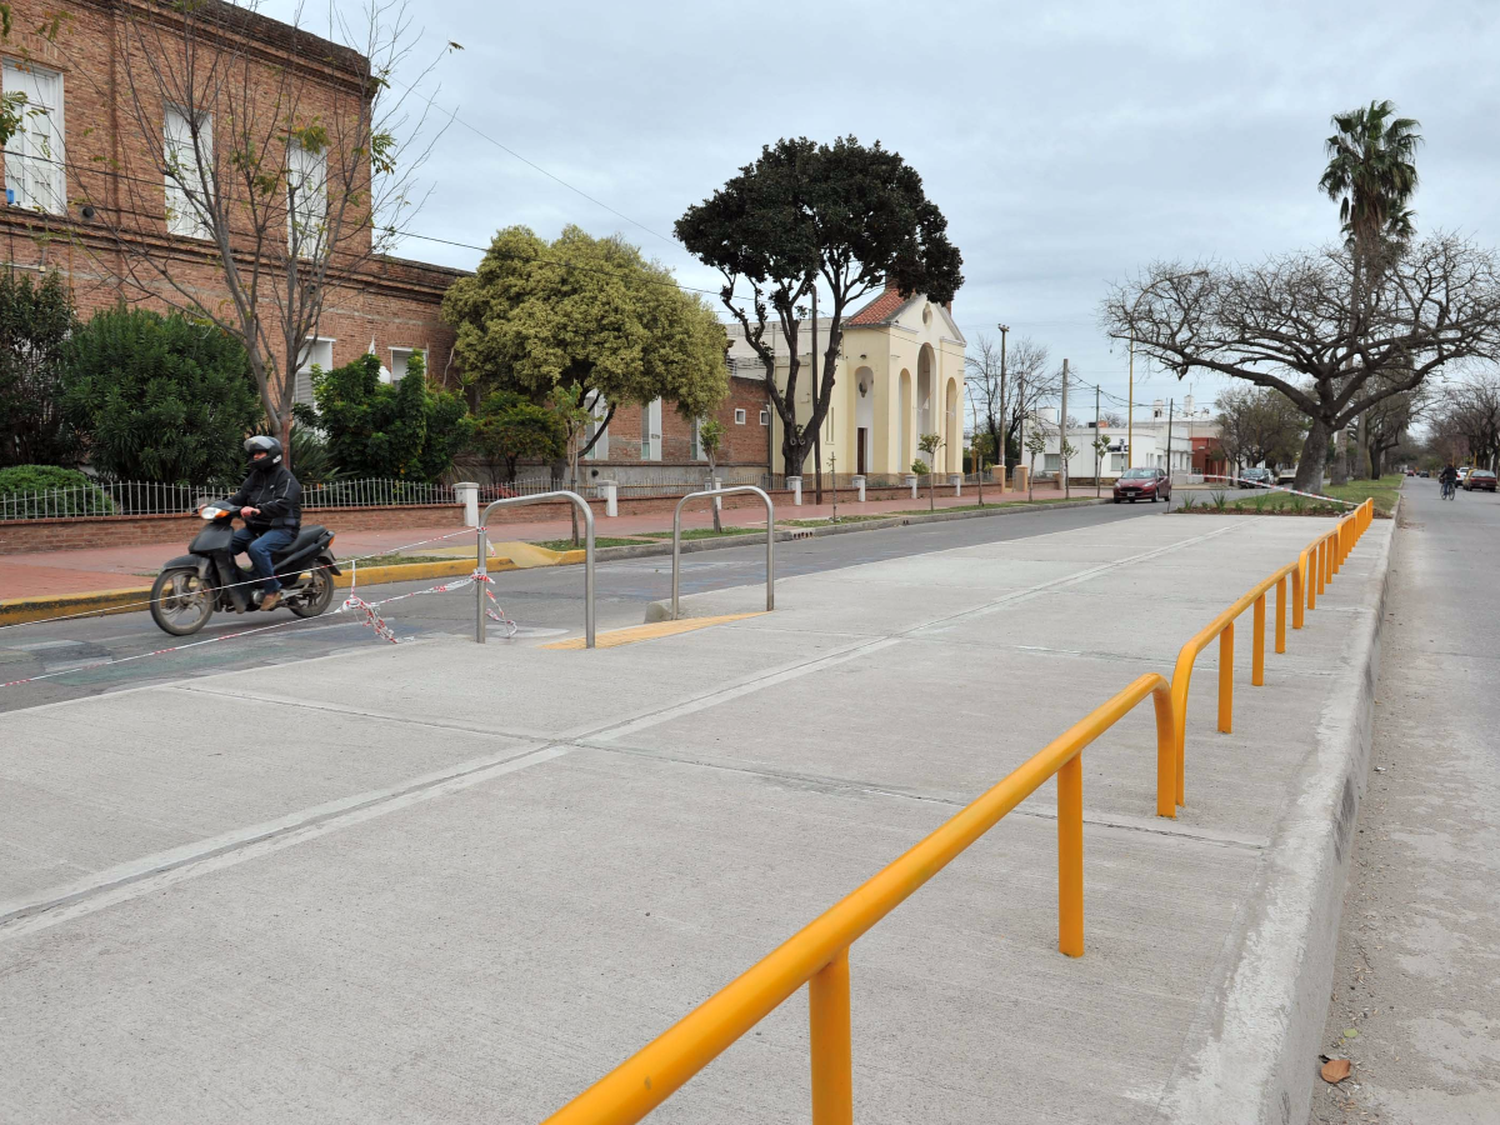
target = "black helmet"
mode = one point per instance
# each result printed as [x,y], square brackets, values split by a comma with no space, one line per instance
[260,443]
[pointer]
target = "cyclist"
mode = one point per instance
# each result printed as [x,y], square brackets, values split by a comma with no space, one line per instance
[1449,480]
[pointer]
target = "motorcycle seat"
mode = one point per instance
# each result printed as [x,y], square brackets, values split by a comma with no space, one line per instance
[307,537]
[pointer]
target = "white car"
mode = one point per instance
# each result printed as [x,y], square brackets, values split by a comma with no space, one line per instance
[1287,476]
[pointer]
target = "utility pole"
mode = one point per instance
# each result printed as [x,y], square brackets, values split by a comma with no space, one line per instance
[1098,487]
[816,388]
[1004,419]
[1130,410]
[1021,436]
[1171,408]
[1062,432]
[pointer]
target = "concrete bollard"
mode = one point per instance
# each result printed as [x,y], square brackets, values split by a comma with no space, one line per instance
[911,482]
[468,495]
[859,488]
[957,481]
[611,491]
[795,484]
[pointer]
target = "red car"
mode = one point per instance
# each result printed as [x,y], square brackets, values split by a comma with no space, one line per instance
[1143,484]
[1480,480]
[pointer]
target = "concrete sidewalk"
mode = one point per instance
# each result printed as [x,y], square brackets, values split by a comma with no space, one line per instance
[445,881]
[106,567]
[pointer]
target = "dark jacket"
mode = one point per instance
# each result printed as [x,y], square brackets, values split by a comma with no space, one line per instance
[277,495]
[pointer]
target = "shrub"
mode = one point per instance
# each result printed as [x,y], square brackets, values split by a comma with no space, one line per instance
[65,492]
[159,398]
[35,321]
[920,467]
[1221,500]
[509,429]
[403,430]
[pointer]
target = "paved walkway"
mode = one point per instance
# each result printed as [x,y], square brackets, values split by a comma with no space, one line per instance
[107,567]
[462,882]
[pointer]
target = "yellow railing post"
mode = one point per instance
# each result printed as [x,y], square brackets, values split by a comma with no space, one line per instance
[1336,549]
[1299,581]
[1070,857]
[1226,679]
[1258,644]
[1166,753]
[1281,614]
[1322,566]
[832,1049]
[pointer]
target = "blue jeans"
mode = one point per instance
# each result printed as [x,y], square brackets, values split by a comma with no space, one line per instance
[259,545]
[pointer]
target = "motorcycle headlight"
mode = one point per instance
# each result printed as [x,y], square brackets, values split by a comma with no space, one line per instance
[212,513]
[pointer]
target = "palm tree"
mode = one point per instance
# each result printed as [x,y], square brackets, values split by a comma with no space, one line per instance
[1371,174]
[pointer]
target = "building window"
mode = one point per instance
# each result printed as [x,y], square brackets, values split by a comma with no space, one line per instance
[739,417]
[697,453]
[186,182]
[306,200]
[35,174]
[401,359]
[600,451]
[319,354]
[765,417]
[651,431]
[1051,462]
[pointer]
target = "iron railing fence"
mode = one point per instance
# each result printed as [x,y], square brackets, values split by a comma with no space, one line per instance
[151,498]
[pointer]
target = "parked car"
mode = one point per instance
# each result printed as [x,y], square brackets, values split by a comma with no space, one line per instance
[1143,484]
[1480,480]
[1287,476]
[1425,473]
[1463,475]
[1256,478]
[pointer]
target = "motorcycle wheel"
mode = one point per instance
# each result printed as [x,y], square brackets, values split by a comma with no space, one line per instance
[181,602]
[318,595]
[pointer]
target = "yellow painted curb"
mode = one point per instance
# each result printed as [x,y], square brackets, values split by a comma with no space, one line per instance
[13,611]
[416,572]
[635,633]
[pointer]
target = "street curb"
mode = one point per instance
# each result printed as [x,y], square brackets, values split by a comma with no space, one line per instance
[1251,1059]
[16,610]
[689,546]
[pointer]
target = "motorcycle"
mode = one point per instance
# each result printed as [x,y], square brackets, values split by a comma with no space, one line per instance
[190,587]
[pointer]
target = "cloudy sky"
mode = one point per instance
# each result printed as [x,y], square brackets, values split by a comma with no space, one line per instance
[1068,143]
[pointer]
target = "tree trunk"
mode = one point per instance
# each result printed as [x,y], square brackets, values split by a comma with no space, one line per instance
[793,456]
[1374,464]
[286,439]
[713,475]
[1341,458]
[1314,451]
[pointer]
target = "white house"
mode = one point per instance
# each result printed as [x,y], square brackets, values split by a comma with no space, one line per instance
[1162,441]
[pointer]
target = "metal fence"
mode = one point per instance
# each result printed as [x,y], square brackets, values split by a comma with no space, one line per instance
[148,498]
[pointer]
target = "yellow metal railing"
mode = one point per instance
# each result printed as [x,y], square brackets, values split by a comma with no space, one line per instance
[818,954]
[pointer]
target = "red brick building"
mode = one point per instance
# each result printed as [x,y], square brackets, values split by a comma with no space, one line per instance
[86,194]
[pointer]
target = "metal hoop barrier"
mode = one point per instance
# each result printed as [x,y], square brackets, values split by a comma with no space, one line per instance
[481,572]
[770,539]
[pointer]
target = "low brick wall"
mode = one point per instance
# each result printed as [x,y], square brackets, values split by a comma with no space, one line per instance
[25,536]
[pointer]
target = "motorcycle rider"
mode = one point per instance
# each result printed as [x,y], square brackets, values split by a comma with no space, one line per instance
[270,503]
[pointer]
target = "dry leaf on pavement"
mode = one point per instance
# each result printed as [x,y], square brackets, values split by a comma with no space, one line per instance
[1335,1070]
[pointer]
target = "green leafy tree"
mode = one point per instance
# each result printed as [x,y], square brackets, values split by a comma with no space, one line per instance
[1101,447]
[1066,449]
[842,217]
[573,416]
[1036,445]
[159,398]
[930,444]
[538,316]
[711,437]
[508,429]
[35,322]
[407,430]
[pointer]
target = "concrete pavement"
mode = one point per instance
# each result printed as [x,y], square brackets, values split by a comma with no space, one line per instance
[441,881]
[1415,1001]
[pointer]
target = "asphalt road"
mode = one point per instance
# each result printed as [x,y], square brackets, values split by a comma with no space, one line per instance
[542,601]
[1416,994]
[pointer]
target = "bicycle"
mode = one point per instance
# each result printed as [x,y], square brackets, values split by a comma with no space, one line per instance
[1450,489]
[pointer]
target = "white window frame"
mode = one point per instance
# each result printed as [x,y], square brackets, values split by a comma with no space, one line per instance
[404,355]
[651,431]
[35,158]
[186,188]
[739,416]
[302,391]
[306,200]
[765,416]
[697,452]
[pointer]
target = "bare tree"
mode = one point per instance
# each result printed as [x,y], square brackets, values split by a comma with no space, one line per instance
[287,162]
[1289,324]
[1387,425]
[1258,424]
[1467,422]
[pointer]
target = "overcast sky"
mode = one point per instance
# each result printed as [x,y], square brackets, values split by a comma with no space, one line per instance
[1068,144]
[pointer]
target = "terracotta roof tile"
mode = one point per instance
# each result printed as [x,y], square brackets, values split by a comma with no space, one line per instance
[881,310]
